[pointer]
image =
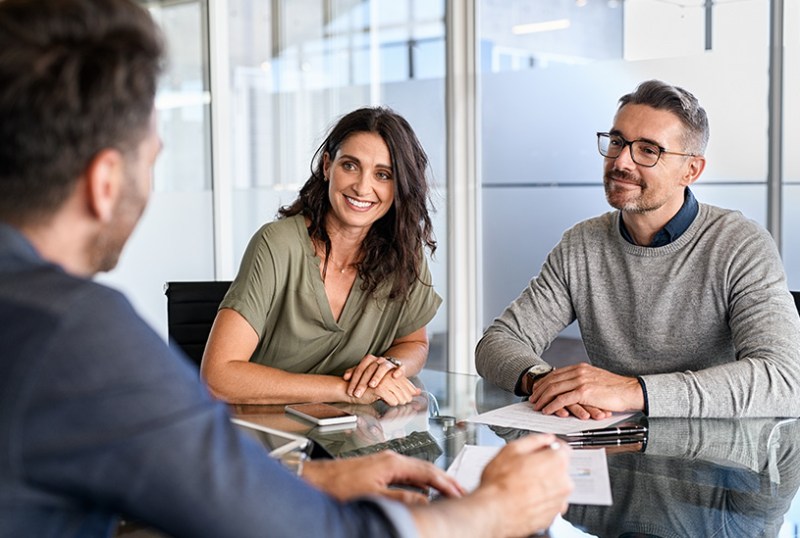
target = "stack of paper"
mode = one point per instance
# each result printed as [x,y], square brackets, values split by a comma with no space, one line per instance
[522,416]
[588,469]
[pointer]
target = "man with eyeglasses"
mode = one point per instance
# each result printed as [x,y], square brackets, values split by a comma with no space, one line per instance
[683,307]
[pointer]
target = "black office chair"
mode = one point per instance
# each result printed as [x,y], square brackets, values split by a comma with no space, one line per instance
[796,295]
[191,309]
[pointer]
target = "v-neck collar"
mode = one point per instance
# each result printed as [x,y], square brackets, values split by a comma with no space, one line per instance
[354,298]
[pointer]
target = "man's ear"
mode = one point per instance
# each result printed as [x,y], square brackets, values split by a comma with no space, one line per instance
[104,177]
[694,169]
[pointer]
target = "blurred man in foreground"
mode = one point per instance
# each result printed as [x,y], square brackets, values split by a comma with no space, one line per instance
[97,418]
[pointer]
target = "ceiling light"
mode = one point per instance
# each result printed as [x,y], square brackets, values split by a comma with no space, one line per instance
[546,26]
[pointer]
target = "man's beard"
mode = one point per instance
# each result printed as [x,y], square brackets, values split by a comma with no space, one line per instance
[635,204]
[107,246]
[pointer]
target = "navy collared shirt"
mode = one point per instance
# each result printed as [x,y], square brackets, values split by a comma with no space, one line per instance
[676,225]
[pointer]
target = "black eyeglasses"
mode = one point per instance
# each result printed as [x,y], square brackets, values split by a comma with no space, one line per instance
[643,153]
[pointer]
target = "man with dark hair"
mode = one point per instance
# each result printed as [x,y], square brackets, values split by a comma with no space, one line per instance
[97,417]
[683,307]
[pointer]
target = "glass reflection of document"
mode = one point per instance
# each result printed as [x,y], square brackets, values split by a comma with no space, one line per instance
[588,469]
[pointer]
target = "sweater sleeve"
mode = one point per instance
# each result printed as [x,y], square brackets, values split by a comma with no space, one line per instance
[764,379]
[516,339]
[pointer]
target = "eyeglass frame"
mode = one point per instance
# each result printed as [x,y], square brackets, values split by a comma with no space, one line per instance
[629,143]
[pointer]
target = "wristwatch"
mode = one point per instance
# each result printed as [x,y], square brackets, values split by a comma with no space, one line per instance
[535,372]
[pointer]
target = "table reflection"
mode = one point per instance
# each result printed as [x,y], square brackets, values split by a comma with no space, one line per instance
[693,478]
[721,478]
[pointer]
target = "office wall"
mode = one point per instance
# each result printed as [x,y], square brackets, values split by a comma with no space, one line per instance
[284,94]
[421,102]
[296,67]
[540,166]
[173,241]
[175,238]
[791,132]
[541,169]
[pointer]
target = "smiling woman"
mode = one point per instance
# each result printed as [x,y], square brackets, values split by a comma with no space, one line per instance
[339,283]
[360,191]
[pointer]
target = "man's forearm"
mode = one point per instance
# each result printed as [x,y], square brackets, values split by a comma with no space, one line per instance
[501,357]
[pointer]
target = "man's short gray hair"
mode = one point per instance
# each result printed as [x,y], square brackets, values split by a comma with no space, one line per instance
[663,96]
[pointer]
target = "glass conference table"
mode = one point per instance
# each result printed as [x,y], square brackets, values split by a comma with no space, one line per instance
[694,478]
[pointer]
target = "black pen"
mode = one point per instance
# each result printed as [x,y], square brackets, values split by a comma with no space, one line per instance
[620,430]
[605,441]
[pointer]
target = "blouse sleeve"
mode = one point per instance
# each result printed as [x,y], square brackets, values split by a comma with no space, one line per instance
[421,305]
[252,292]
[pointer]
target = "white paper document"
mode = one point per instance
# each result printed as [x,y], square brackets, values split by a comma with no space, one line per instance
[522,416]
[587,468]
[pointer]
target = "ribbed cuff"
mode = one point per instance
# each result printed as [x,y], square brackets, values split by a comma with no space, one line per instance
[644,393]
[518,386]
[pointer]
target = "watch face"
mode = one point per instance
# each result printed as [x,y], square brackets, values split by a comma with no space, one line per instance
[539,369]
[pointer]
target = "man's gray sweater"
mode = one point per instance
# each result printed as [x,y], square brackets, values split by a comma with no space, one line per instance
[706,321]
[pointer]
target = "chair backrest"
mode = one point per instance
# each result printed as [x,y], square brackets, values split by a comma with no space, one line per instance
[796,295]
[191,309]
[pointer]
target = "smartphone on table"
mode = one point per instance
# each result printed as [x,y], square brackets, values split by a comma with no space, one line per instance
[321,414]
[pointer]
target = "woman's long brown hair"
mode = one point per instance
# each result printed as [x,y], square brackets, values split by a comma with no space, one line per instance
[392,250]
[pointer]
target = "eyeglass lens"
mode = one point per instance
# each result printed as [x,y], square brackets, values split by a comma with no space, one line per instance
[643,153]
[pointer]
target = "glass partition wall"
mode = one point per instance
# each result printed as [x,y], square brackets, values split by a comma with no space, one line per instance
[296,66]
[791,141]
[551,74]
[175,238]
[252,86]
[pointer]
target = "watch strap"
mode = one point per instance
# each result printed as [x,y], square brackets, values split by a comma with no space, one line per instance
[531,376]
